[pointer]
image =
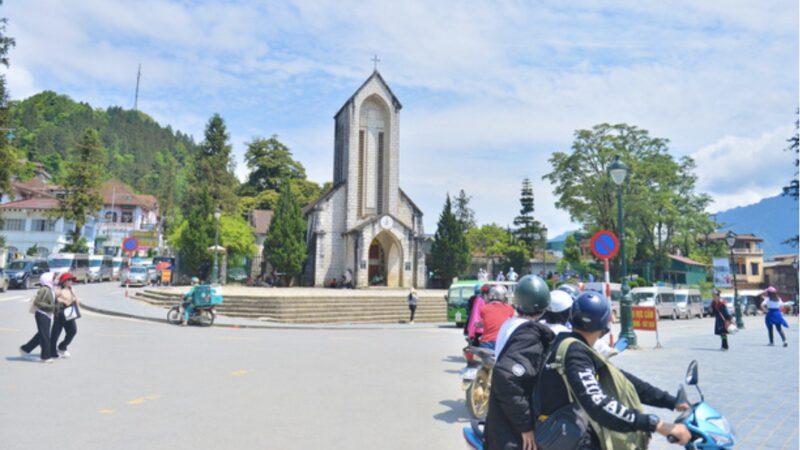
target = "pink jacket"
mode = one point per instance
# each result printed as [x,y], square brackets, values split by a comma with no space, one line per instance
[475,317]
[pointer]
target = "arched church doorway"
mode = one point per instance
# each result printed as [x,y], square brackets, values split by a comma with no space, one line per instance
[385,261]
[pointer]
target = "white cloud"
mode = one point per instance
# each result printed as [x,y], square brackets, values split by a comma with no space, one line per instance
[20,82]
[739,171]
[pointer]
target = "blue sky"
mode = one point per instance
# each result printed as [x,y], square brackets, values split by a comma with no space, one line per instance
[489,89]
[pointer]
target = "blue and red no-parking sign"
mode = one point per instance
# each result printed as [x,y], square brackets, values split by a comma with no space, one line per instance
[604,245]
[130,244]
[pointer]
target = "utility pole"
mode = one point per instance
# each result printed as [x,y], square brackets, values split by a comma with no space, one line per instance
[136,98]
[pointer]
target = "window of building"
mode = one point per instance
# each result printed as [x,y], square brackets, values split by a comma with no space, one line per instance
[111,216]
[43,225]
[14,225]
[754,268]
[127,216]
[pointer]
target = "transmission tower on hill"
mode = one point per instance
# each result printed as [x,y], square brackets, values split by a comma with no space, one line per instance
[136,97]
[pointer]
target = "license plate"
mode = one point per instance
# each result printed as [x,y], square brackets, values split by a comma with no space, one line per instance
[469,373]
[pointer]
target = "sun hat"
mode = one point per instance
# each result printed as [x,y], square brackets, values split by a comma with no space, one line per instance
[66,276]
[772,290]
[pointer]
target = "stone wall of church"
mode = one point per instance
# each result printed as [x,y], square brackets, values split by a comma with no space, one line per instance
[331,250]
[405,213]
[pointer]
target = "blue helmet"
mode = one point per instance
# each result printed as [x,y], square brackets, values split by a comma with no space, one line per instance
[591,311]
[477,289]
[570,289]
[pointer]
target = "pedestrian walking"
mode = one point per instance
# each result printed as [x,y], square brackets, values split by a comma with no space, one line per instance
[42,307]
[412,304]
[722,318]
[67,313]
[772,306]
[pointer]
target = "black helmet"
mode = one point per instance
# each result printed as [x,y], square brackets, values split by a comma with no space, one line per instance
[531,296]
[591,312]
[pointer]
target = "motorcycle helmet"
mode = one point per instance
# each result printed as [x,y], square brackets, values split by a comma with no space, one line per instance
[485,289]
[477,289]
[498,293]
[532,296]
[570,289]
[591,312]
[560,301]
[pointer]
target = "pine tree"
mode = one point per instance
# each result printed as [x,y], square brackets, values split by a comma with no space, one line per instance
[214,170]
[285,247]
[84,175]
[463,212]
[528,228]
[195,240]
[571,252]
[450,250]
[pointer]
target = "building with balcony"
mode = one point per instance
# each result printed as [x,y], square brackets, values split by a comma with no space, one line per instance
[748,259]
[29,222]
[125,214]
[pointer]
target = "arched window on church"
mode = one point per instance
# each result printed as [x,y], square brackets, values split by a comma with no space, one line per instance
[373,160]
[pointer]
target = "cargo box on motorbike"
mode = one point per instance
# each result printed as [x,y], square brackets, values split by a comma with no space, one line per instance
[205,295]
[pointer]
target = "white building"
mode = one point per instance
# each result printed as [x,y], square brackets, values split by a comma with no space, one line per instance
[365,223]
[29,222]
[125,214]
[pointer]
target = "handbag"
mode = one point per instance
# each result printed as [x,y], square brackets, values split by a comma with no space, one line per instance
[731,327]
[564,429]
[72,312]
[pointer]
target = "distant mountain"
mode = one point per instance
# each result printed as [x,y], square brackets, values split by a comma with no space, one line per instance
[774,219]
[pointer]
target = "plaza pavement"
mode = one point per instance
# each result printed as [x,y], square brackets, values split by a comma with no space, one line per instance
[134,384]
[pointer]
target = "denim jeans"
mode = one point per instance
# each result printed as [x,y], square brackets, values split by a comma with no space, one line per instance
[489,345]
[42,337]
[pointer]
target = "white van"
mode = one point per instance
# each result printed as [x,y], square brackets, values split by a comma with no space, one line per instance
[101,268]
[689,303]
[75,263]
[119,264]
[663,298]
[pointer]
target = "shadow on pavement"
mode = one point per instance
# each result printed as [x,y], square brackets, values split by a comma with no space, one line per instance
[455,359]
[716,350]
[30,359]
[456,414]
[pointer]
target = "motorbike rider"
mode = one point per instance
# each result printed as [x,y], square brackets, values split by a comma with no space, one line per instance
[509,422]
[473,330]
[493,315]
[187,304]
[591,313]
[476,292]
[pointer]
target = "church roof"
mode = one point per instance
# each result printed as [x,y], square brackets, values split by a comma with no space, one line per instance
[408,199]
[375,74]
[324,196]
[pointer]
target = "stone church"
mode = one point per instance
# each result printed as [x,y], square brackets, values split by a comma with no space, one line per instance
[365,223]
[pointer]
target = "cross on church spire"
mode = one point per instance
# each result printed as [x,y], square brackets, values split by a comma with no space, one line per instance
[375,62]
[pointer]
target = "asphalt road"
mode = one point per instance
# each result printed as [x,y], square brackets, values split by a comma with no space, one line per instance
[141,385]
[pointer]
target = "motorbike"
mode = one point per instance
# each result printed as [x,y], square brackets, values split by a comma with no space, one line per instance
[476,380]
[204,299]
[203,316]
[710,429]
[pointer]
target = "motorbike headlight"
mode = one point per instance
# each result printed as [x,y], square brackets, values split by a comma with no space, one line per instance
[720,439]
[722,424]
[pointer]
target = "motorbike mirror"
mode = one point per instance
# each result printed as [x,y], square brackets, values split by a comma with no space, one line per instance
[691,374]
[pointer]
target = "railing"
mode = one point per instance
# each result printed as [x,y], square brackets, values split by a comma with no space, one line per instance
[747,251]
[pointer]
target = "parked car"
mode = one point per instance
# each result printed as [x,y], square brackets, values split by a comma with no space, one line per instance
[101,268]
[24,273]
[75,263]
[135,276]
[661,297]
[119,265]
[3,281]
[152,274]
[688,303]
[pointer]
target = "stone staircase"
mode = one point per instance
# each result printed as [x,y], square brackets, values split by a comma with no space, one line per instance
[316,307]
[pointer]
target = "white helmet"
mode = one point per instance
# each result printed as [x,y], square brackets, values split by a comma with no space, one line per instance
[498,292]
[559,301]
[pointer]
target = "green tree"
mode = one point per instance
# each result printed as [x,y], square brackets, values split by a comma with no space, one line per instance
[498,244]
[271,165]
[285,247]
[662,210]
[84,175]
[528,228]
[793,188]
[463,212]
[8,156]
[194,235]
[33,250]
[572,253]
[214,167]
[236,235]
[450,251]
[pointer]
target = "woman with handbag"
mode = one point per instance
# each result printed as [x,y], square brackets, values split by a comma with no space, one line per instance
[66,315]
[722,318]
[43,306]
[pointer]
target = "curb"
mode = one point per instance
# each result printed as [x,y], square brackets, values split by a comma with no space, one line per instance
[276,326]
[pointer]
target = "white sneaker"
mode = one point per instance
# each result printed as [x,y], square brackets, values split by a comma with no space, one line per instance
[48,361]
[64,354]
[23,352]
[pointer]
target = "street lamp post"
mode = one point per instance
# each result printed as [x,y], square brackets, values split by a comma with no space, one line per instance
[544,249]
[215,272]
[730,238]
[618,172]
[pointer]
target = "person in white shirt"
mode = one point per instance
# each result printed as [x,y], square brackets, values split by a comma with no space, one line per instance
[772,307]
[511,275]
[500,276]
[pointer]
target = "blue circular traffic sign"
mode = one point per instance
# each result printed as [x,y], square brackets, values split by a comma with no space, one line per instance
[130,244]
[604,245]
